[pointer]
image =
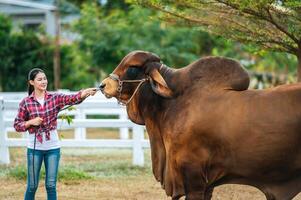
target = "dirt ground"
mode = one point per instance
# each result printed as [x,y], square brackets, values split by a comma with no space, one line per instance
[137,186]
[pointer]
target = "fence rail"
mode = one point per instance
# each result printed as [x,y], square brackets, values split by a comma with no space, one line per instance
[8,110]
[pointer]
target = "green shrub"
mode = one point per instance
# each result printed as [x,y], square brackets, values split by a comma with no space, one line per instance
[65,173]
[71,173]
[18,172]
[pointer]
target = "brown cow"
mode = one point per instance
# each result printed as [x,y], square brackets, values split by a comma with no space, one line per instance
[206,128]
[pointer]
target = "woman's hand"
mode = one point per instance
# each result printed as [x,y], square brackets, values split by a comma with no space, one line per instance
[88,92]
[33,122]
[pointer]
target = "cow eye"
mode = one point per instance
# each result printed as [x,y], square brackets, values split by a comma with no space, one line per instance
[133,72]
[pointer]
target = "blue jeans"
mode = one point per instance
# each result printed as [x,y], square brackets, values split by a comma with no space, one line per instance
[51,161]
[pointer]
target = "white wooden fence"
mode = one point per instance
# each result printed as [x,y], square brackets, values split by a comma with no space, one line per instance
[98,106]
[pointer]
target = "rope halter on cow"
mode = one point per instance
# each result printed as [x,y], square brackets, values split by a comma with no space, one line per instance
[120,85]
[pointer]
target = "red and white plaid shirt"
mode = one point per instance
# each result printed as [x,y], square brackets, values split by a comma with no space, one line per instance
[30,108]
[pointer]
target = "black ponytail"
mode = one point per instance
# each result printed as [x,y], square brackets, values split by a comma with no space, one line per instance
[31,76]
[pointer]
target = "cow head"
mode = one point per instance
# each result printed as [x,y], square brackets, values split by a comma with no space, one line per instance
[135,69]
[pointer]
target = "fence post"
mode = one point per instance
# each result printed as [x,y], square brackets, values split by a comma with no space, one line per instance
[4,151]
[124,132]
[80,133]
[138,154]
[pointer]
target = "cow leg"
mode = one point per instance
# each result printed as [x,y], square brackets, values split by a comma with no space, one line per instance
[208,194]
[269,196]
[280,195]
[284,191]
[194,186]
[281,190]
[200,195]
[195,196]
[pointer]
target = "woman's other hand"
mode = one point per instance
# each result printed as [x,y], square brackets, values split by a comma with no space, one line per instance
[33,122]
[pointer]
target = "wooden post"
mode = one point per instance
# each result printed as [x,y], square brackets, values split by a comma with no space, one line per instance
[80,133]
[138,153]
[123,132]
[4,151]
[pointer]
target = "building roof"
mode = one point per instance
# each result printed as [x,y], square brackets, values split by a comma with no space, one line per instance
[28,4]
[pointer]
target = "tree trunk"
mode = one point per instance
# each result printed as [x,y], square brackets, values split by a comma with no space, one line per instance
[299,65]
[299,69]
[299,62]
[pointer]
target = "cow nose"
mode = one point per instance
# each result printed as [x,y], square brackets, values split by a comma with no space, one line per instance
[102,86]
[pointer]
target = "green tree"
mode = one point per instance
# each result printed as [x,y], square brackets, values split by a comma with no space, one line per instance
[107,5]
[5,27]
[24,50]
[19,53]
[75,71]
[274,25]
[107,37]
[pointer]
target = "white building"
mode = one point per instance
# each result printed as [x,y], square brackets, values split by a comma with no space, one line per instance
[30,14]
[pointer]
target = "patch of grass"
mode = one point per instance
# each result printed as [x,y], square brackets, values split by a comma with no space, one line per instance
[72,173]
[65,173]
[102,117]
[18,172]
[113,169]
[83,164]
[106,163]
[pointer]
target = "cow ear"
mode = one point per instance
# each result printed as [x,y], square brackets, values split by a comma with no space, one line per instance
[159,85]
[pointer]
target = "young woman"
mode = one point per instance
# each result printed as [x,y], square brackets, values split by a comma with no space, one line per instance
[38,115]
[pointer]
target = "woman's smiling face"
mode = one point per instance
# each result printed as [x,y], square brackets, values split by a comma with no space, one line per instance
[40,82]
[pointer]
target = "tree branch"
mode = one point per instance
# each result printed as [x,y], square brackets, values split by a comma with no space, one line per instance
[188,19]
[272,33]
[260,16]
[281,28]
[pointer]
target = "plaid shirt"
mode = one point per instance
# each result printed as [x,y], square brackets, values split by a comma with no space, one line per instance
[30,108]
